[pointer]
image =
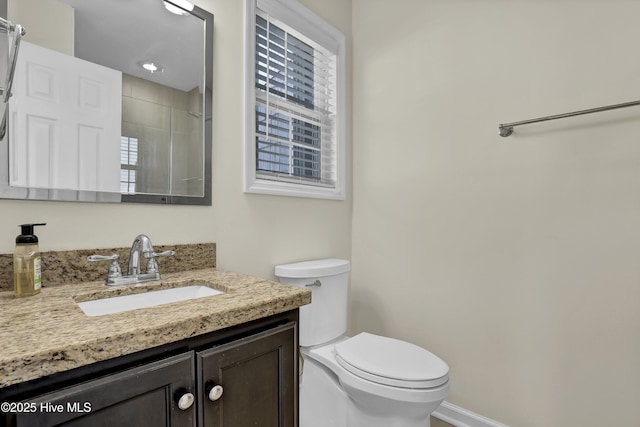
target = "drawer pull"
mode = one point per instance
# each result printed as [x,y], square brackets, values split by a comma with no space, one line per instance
[215,393]
[185,401]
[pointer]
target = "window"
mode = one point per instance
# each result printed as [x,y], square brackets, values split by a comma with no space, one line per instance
[128,164]
[295,93]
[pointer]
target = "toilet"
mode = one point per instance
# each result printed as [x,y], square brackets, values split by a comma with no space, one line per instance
[362,381]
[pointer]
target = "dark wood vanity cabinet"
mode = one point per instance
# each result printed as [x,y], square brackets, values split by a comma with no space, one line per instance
[231,380]
[141,396]
[249,382]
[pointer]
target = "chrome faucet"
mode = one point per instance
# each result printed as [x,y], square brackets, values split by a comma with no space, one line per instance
[141,248]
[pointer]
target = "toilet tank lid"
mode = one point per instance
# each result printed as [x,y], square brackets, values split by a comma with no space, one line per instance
[316,268]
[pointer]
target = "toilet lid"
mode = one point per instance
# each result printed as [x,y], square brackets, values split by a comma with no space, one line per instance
[391,362]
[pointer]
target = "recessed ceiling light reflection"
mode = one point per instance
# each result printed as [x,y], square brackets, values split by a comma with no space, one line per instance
[152,67]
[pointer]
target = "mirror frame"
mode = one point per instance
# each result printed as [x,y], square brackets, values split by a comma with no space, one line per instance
[95,197]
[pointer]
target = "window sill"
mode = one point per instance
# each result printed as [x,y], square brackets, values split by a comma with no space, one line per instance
[263,186]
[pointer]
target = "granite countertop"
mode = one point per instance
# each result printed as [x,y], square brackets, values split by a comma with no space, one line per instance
[49,333]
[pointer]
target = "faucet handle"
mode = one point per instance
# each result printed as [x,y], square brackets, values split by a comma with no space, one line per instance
[114,268]
[152,264]
[159,254]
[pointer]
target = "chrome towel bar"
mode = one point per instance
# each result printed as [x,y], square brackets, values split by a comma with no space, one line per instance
[18,31]
[5,91]
[506,129]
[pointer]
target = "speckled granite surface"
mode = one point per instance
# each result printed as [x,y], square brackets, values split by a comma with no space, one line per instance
[49,333]
[65,267]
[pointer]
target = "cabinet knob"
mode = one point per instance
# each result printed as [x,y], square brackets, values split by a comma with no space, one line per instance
[215,393]
[185,401]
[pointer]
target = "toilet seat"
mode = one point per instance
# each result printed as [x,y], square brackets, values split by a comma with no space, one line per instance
[355,384]
[391,362]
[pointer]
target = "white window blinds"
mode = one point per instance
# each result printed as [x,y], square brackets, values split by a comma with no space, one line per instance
[295,106]
[128,164]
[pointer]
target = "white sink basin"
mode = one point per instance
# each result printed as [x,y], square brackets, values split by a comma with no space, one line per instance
[100,307]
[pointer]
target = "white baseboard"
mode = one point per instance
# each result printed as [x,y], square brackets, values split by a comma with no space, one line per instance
[460,417]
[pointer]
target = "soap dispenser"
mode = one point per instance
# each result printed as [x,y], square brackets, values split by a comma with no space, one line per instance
[26,263]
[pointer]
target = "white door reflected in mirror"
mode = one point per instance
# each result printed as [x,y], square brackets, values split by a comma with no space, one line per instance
[65,123]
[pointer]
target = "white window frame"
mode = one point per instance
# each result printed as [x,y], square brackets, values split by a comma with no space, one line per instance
[297,16]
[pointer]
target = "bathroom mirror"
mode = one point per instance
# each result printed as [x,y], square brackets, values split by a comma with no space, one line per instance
[158,59]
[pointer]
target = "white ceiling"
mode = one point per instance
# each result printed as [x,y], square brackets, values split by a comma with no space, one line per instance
[122,33]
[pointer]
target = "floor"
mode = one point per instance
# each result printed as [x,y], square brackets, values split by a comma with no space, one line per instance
[439,423]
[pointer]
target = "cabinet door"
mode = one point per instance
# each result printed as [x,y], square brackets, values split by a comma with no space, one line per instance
[255,380]
[142,396]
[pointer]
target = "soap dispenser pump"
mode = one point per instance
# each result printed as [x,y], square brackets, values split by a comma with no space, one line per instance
[27,270]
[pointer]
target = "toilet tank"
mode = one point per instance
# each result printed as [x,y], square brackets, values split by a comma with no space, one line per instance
[328,279]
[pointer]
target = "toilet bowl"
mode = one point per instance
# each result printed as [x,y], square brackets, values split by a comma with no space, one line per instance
[364,380]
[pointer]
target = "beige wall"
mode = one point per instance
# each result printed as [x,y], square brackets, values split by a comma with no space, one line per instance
[51,27]
[516,260]
[253,232]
